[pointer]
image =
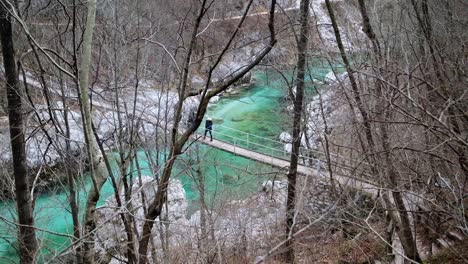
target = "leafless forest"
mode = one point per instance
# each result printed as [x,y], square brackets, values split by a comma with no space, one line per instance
[103,105]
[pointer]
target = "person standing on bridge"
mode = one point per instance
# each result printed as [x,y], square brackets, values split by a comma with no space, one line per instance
[208,128]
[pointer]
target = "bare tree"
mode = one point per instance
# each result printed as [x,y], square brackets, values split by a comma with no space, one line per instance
[177,142]
[297,125]
[405,233]
[98,173]
[24,199]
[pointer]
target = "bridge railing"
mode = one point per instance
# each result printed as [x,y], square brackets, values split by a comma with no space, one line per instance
[276,149]
[266,146]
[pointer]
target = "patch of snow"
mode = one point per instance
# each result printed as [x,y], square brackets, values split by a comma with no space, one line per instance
[214,99]
[288,147]
[331,77]
[285,137]
[273,186]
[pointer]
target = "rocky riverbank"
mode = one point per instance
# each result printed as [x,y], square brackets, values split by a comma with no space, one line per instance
[234,226]
[52,145]
[324,112]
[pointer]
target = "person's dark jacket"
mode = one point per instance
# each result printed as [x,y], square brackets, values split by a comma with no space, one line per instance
[208,124]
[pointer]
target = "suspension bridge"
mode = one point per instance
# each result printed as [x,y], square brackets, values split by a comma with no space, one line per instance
[275,154]
[262,149]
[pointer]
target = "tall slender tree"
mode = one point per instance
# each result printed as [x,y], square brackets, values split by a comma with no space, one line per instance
[298,99]
[24,201]
[97,166]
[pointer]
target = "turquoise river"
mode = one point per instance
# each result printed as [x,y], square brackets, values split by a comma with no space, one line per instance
[259,109]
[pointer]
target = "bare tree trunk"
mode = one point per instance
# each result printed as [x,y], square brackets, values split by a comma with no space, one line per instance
[326,145]
[200,178]
[404,226]
[24,202]
[96,163]
[126,152]
[352,79]
[155,208]
[298,104]
[404,230]
[73,200]
[71,176]
[454,111]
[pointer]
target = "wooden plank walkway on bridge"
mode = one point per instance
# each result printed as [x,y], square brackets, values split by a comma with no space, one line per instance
[284,165]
